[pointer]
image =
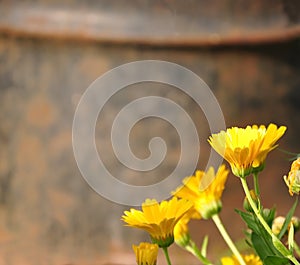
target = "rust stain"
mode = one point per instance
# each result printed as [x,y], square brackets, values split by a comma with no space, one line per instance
[41,113]
[65,201]
[30,158]
[61,142]
[4,162]
[93,67]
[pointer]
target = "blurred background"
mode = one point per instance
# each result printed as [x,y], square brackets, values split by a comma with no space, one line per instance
[51,51]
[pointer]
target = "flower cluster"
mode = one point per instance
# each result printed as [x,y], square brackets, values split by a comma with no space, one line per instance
[271,239]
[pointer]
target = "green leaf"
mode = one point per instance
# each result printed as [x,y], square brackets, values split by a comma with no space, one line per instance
[273,260]
[296,248]
[263,246]
[204,246]
[291,238]
[261,240]
[288,219]
[250,220]
[269,215]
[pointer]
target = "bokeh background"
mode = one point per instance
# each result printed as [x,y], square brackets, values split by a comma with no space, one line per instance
[51,51]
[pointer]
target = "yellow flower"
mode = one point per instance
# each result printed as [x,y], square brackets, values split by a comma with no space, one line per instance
[181,230]
[293,179]
[249,259]
[157,219]
[146,253]
[206,197]
[245,149]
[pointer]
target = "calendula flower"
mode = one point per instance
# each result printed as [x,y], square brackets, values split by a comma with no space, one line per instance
[249,260]
[206,198]
[293,179]
[158,219]
[181,230]
[146,253]
[245,149]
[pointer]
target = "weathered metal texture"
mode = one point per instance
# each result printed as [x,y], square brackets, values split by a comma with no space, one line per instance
[48,213]
[156,22]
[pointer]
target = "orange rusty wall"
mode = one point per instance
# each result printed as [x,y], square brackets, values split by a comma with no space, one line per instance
[48,212]
[50,52]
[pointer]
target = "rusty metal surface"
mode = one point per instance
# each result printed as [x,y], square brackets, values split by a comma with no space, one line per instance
[48,213]
[158,22]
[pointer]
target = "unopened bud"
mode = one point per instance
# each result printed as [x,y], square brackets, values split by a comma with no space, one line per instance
[293,178]
[246,203]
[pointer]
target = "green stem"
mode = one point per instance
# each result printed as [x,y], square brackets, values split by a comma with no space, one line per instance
[256,185]
[296,248]
[165,249]
[294,260]
[256,188]
[277,243]
[227,238]
[192,248]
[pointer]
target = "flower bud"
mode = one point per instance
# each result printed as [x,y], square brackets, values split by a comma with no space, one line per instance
[181,234]
[246,203]
[279,221]
[146,253]
[296,223]
[293,178]
[277,225]
[211,209]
